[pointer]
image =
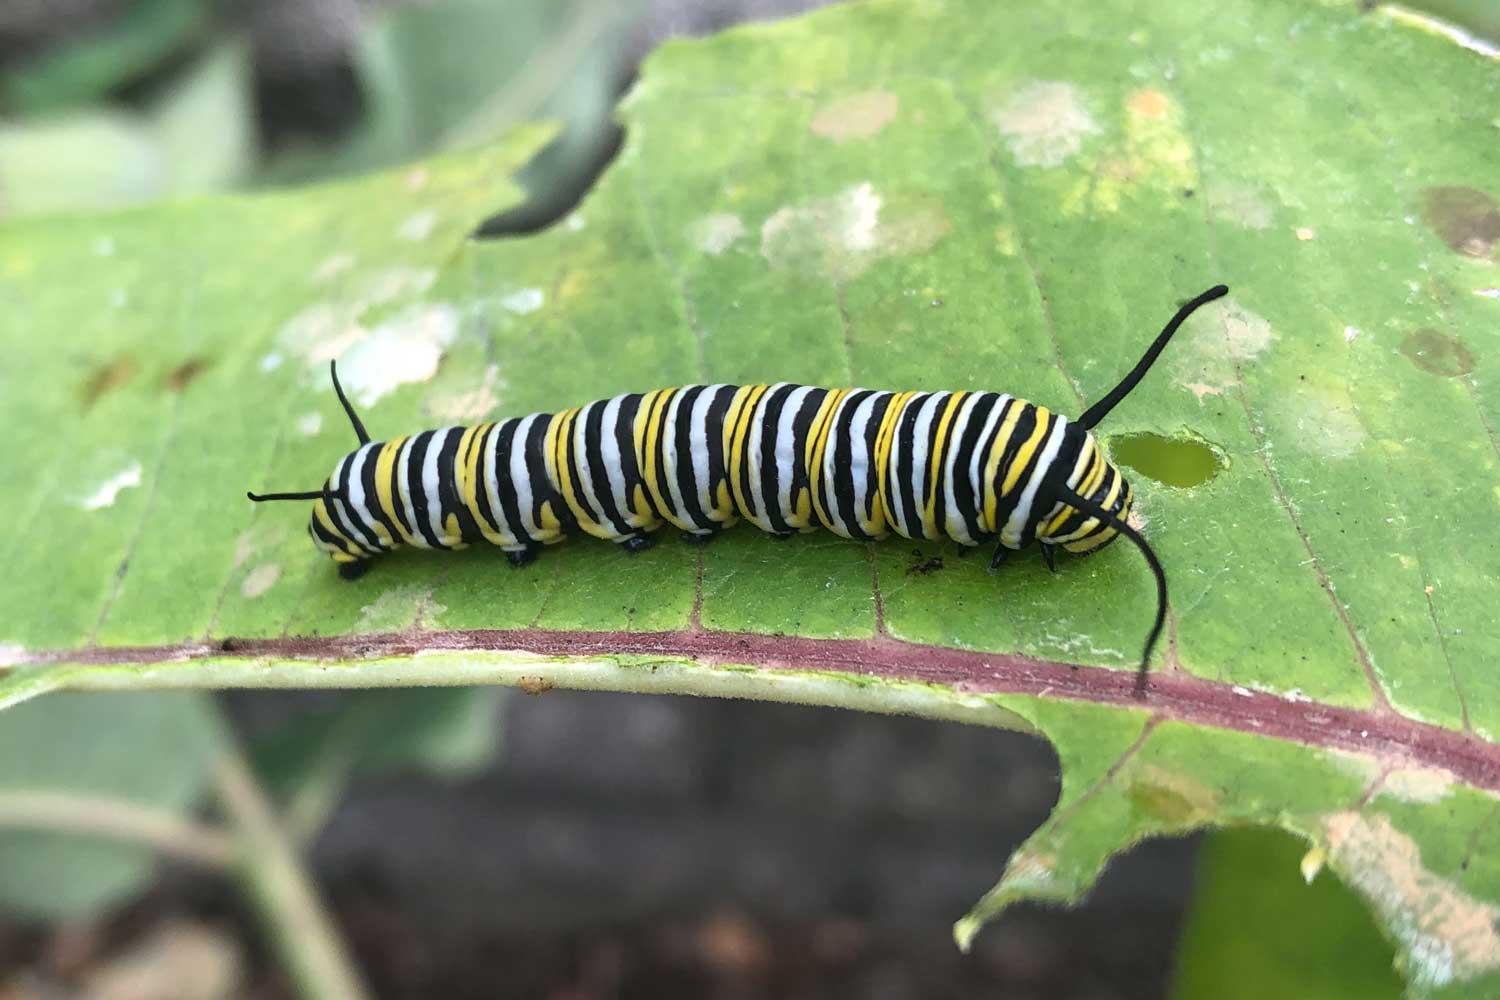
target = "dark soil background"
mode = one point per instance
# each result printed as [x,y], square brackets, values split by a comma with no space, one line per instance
[643,847]
[632,846]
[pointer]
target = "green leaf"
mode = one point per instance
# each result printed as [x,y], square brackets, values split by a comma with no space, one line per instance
[212,97]
[447,732]
[450,732]
[78,161]
[1256,928]
[916,195]
[89,65]
[98,158]
[143,750]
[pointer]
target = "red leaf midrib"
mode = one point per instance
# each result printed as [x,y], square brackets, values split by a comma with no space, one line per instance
[1382,733]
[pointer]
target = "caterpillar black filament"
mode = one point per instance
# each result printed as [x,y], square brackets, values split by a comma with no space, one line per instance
[966,466]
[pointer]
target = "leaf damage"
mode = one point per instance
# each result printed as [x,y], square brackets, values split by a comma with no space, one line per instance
[857,116]
[1447,935]
[1045,123]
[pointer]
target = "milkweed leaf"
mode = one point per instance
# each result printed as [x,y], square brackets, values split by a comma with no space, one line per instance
[924,195]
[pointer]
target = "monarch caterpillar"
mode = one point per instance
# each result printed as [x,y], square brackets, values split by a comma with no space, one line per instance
[967,466]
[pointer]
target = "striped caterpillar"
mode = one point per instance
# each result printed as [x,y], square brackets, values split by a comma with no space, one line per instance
[966,466]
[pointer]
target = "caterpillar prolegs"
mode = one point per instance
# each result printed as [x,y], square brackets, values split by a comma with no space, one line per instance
[971,467]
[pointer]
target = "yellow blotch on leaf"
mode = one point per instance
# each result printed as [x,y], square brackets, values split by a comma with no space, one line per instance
[1152,156]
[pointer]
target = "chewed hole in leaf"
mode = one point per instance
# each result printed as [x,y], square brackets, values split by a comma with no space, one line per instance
[1182,462]
[1254,888]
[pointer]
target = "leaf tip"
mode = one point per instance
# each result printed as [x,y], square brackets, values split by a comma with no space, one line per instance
[964,932]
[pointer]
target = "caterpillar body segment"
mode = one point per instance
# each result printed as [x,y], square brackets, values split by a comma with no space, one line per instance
[968,466]
[920,465]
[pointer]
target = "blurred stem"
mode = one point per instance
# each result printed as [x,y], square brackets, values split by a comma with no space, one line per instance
[291,912]
[1481,17]
[319,792]
[255,845]
[539,78]
[117,819]
[310,806]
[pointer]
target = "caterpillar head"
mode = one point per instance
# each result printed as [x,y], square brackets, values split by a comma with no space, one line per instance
[342,526]
[1092,501]
[1096,480]
[337,528]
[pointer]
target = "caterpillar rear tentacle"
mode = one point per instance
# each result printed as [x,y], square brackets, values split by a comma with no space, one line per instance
[966,466]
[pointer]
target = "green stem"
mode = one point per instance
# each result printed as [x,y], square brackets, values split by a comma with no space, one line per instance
[532,674]
[117,819]
[311,804]
[291,912]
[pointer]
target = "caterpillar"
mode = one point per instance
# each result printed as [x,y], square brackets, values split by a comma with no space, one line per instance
[965,466]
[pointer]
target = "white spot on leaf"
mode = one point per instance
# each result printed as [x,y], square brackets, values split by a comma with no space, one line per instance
[104,495]
[1306,233]
[397,609]
[418,227]
[404,349]
[843,234]
[397,282]
[527,300]
[310,423]
[713,234]
[471,405]
[332,329]
[1418,784]
[1247,332]
[1351,334]
[1240,204]
[317,334]
[333,266]
[244,547]
[260,579]
[1211,341]
[271,361]
[863,215]
[1201,389]
[12,654]
[1327,421]
[857,116]
[1045,123]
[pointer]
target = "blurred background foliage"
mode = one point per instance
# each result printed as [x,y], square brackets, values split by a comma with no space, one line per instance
[107,103]
[114,102]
